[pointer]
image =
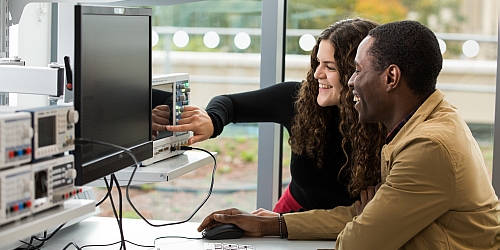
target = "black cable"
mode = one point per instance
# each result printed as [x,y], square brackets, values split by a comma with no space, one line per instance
[71,243]
[22,241]
[126,150]
[104,245]
[83,141]
[176,237]
[196,210]
[86,141]
[209,192]
[109,187]
[29,245]
[120,210]
[105,196]
[117,217]
[46,238]
[42,240]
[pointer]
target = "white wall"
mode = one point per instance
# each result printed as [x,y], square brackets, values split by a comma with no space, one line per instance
[30,40]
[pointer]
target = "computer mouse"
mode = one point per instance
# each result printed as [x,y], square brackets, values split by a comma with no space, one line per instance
[224,231]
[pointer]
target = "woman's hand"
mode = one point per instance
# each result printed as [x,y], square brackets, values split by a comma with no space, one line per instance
[365,196]
[264,212]
[194,119]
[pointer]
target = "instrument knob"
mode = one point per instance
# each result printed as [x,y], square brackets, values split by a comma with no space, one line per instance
[73,116]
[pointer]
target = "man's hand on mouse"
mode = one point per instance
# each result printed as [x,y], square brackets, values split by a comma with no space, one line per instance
[253,225]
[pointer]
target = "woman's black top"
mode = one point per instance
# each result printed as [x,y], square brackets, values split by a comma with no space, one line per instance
[312,187]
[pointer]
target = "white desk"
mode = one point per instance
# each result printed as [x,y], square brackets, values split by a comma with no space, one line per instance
[104,230]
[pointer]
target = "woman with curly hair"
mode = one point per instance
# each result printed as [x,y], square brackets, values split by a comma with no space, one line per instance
[333,157]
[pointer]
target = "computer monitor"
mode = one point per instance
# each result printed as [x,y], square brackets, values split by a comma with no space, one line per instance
[112,88]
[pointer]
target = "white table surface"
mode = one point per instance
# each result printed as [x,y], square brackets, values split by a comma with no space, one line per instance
[104,230]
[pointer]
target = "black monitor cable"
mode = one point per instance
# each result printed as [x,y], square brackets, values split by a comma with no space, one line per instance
[41,240]
[137,164]
[107,193]
[196,210]
[104,245]
[118,215]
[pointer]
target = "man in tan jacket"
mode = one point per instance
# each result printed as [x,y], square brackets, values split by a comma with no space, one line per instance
[436,193]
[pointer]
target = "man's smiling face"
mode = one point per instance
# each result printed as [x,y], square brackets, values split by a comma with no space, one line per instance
[368,86]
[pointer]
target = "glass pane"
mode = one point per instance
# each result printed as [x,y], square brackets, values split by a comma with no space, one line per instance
[218,44]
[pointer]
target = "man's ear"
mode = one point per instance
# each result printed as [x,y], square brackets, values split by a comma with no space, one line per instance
[393,77]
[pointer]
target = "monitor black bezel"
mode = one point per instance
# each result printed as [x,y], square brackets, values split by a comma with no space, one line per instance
[91,171]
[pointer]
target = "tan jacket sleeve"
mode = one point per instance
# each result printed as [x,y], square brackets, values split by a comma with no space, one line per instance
[318,224]
[417,191]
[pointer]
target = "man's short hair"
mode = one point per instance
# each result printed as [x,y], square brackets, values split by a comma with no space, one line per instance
[413,48]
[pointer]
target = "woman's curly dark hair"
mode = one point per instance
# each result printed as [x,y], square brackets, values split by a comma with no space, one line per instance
[361,143]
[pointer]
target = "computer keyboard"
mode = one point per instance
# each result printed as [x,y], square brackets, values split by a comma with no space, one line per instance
[227,246]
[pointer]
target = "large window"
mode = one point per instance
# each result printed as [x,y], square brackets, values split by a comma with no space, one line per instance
[218,44]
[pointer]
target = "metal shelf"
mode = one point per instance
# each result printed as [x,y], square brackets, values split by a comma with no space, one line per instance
[48,219]
[162,171]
